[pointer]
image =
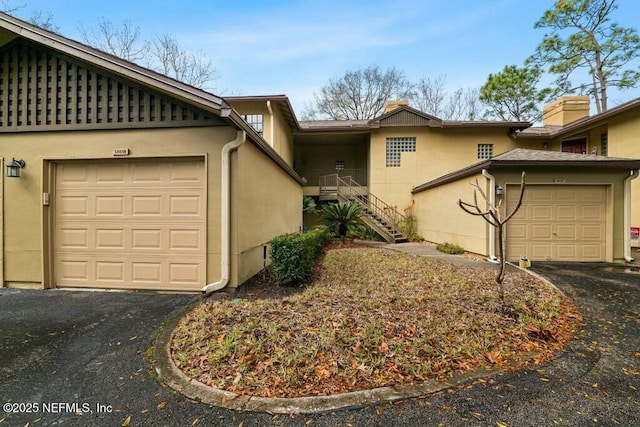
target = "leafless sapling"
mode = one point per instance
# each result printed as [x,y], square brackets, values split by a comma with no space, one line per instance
[492,215]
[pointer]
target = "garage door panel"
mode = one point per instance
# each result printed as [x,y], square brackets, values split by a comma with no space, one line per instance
[566,232]
[591,213]
[109,206]
[560,222]
[518,231]
[540,231]
[540,213]
[72,206]
[146,239]
[146,272]
[73,238]
[182,173]
[146,173]
[72,270]
[566,252]
[565,213]
[110,174]
[110,238]
[185,273]
[518,249]
[110,271]
[592,252]
[564,195]
[185,240]
[72,174]
[187,205]
[592,232]
[146,205]
[136,224]
[537,251]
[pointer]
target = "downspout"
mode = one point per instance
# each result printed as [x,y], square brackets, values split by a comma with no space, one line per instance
[225,213]
[627,215]
[271,123]
[492,230]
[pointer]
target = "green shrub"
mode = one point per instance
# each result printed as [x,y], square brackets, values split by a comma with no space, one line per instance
[293,255]
[408,227]
[340,217]
[364,232]
[449,248]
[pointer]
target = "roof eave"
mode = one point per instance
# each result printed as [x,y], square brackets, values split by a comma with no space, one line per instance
[492,164]
[264,145]
[114,64]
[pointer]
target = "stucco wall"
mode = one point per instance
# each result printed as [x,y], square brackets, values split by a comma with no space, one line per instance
[439,219]
[267,202]
[282,137]
[624,141]
[438,152]
[23,211]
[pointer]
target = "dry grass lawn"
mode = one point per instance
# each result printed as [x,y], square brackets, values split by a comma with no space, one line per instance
[372,318]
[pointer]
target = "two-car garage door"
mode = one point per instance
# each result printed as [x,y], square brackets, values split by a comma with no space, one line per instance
[130,224]
[558,222]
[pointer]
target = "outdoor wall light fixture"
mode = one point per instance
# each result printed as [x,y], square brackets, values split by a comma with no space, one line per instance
[499,190]
[13,168]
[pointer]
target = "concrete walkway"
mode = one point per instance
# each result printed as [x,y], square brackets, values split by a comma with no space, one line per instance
[429,250]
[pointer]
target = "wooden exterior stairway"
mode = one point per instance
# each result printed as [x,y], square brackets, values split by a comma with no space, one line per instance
[380,216]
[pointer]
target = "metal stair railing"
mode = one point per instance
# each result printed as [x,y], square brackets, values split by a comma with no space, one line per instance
[382,214]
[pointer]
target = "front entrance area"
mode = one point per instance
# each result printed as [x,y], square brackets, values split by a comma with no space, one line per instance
[559,223]
[130,224]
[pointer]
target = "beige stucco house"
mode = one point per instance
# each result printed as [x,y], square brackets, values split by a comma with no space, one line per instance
[405,162]
[132,180]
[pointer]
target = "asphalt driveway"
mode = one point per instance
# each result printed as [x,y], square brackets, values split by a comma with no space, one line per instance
[78,358]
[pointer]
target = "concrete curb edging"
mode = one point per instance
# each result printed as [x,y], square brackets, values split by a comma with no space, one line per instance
[537,276]
[173,377]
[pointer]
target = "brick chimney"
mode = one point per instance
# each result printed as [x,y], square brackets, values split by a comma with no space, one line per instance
[565,110]
[392,105]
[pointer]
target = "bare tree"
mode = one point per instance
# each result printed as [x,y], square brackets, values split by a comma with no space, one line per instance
[430,96]
[43,20]
[7,8]
[164,54]
[359,95]
[122,41]
[172,60]
[492,215]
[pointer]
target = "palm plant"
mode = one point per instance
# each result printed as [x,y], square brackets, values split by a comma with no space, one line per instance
[340,216]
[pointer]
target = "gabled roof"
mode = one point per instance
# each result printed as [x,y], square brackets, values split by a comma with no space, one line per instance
[404,116]
[522,157]
[407,116]
[581,124]
[12,28]
[282,102]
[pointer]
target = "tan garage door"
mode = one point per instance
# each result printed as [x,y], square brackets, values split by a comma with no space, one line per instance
[130,224]
[559,223]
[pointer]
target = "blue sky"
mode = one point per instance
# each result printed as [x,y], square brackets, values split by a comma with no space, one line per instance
[294,47]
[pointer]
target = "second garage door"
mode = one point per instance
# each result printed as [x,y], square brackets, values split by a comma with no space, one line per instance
[558,223]
[131,224]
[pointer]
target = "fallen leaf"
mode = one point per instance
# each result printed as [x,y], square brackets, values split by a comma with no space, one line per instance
[162,405]
[126,421]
